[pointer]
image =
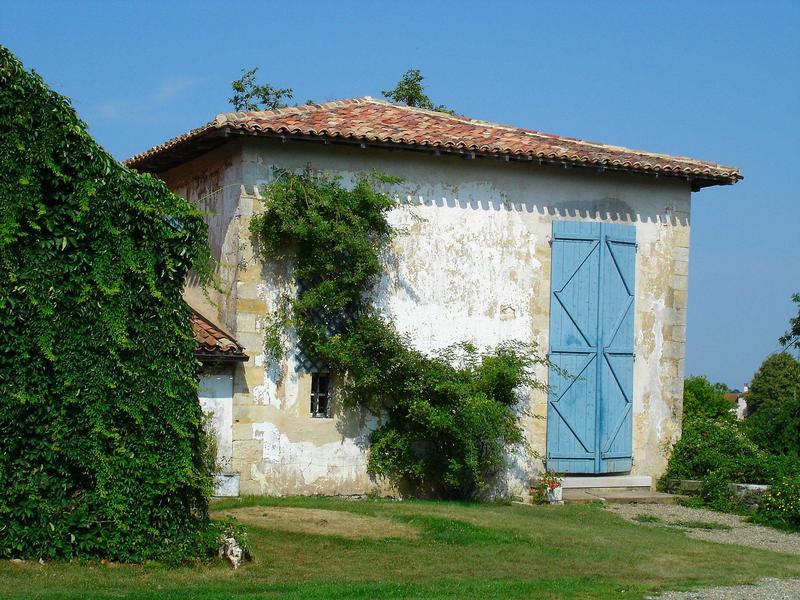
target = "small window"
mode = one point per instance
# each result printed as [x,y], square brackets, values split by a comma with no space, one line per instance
[320,395]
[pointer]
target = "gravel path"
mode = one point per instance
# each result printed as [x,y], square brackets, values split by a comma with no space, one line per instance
[765,589]
[740,533]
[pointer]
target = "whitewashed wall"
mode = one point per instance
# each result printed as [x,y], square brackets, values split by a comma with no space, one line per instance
[473,263]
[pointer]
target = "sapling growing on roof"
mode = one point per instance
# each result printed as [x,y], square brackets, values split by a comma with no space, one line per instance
[249,95]
[409,91]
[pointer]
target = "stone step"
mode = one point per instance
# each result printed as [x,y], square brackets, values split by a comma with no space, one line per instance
[612,490]
[606,481]
[618,496]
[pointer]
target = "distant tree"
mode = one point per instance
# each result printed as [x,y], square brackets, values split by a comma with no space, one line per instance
[703,399]
[776,381]
[792,337]
[248,95]
[776,427]
[409,91]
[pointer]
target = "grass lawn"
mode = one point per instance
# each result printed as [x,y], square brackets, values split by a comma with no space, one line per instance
[437,550]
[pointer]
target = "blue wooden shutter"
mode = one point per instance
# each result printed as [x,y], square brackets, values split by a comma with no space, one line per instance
[617,285]
[571,410]
[591,346]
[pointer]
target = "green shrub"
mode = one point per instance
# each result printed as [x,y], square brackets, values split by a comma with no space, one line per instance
[716,493]
[708,446]
[447,418]
[719,453]
[101,451]
[712,447]
[704,400]
[780,507]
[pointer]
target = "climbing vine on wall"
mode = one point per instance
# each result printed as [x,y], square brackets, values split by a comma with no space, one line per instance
[448,419]
[101,450]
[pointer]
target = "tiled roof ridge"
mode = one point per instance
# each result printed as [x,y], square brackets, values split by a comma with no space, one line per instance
[417,128]
[225,118]
[297,109]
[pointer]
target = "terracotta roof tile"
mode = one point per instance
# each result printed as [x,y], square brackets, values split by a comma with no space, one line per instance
[212,342]
[376,122]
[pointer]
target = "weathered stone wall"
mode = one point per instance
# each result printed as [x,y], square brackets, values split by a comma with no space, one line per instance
[473,262]
[213,183]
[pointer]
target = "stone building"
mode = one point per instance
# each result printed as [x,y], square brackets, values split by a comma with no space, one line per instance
[507,234]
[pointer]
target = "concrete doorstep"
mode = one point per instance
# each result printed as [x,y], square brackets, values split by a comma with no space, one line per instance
[617,496]
[612,489]
[606,481]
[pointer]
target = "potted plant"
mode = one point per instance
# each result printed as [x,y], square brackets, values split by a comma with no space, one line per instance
[548,489]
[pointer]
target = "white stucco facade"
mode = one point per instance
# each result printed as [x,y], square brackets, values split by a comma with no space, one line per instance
[472,262]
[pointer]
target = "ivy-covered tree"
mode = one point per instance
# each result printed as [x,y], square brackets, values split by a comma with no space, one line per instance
[776,381]
[101,441]
[409,91]
[249,95]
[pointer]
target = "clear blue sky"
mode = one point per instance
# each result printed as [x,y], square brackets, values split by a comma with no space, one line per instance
[713,80]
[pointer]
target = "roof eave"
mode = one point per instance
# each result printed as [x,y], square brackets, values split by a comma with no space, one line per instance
[179,151]
[214,357]
[214,135]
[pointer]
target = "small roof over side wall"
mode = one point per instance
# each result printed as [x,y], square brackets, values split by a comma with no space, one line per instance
[376,123]
[212,343]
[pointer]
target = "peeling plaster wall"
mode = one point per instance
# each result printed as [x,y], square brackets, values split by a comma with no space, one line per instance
[472,263]
[213,183]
